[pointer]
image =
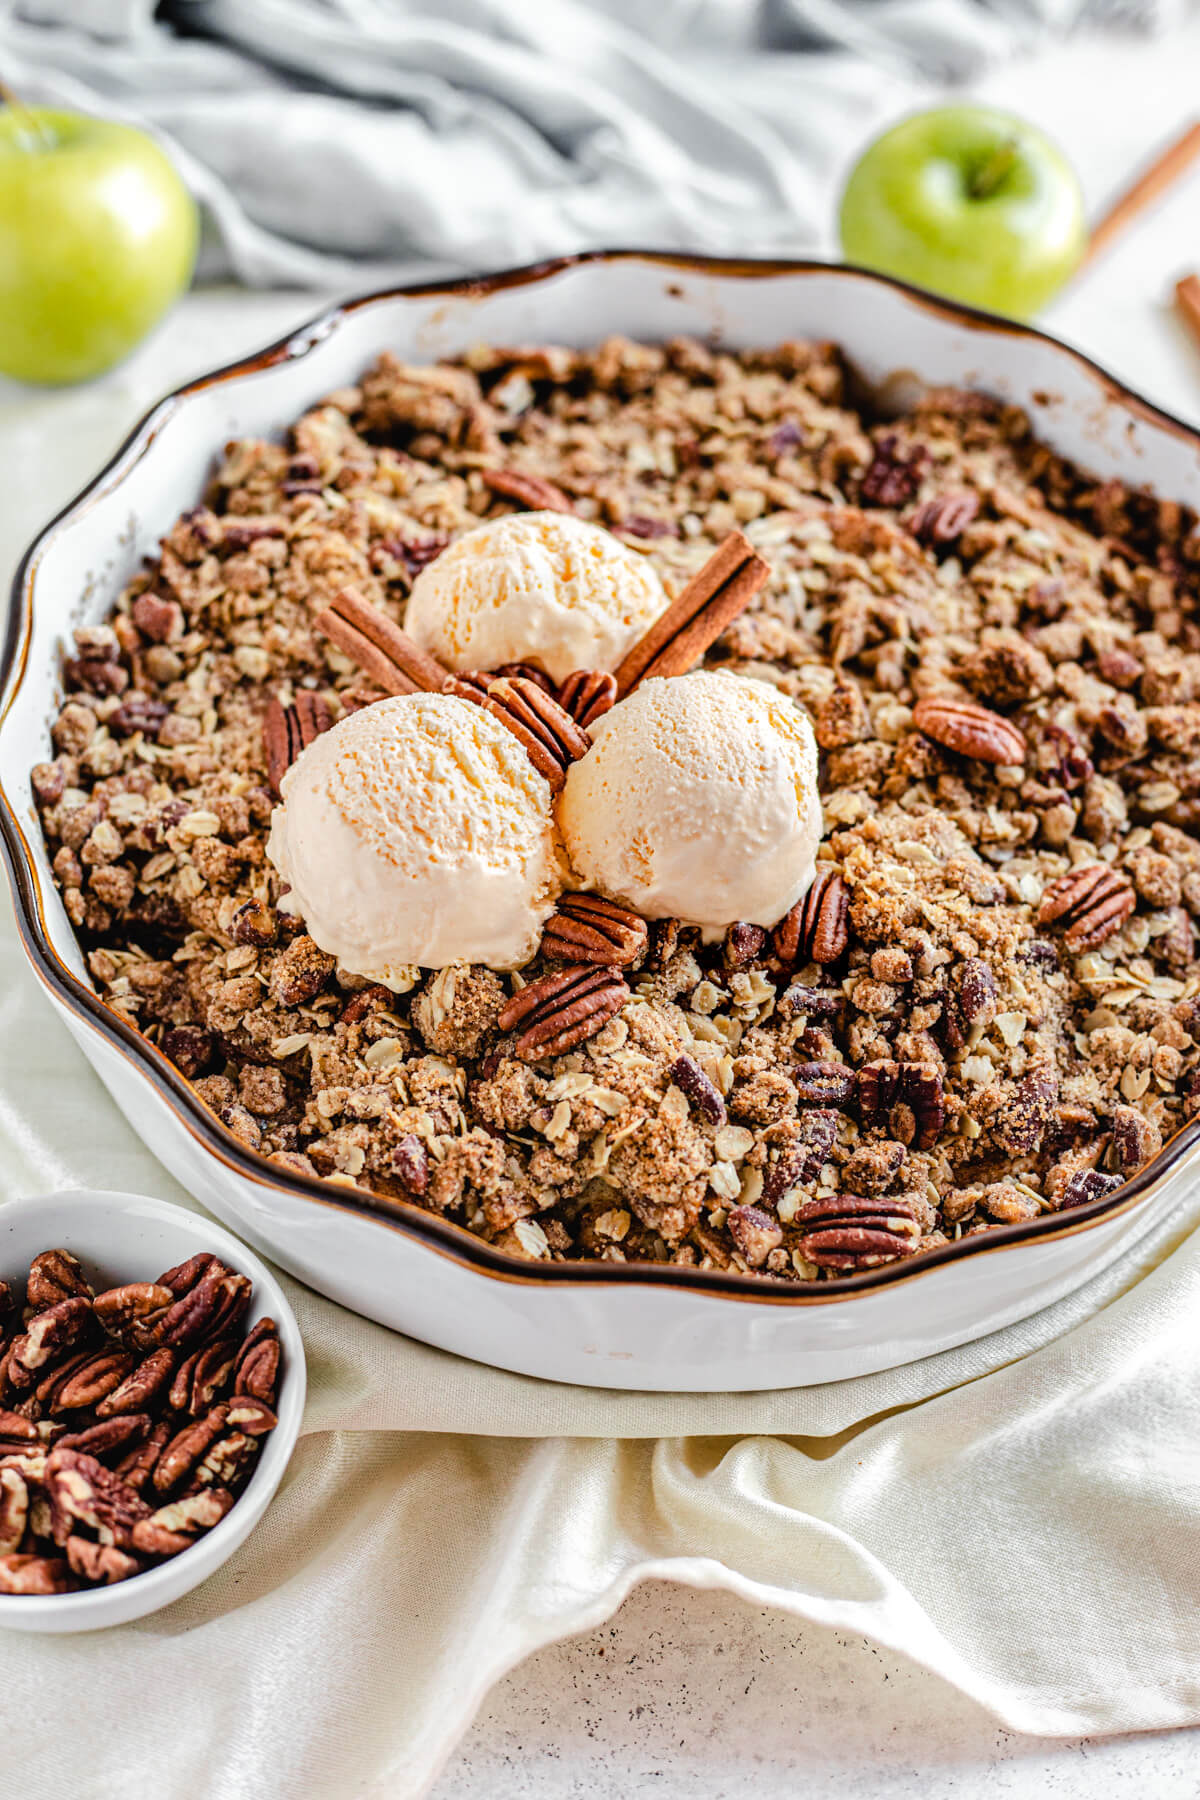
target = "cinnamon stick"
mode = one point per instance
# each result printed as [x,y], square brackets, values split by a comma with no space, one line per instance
[1187,303]
[713,597]
[1166,169]
[381,650]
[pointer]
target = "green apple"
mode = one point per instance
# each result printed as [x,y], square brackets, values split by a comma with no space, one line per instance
[968,202]
[97,238]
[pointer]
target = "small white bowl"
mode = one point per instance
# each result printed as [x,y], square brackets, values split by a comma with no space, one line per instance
[129,1237]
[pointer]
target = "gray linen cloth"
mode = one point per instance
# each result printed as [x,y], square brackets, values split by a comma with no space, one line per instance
[336,142]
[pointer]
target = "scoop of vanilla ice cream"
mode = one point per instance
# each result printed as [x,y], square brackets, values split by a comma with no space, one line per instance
[537,587]
[418,831]
[698,801]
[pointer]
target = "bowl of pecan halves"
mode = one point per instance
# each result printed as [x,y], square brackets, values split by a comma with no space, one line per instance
[151,1388]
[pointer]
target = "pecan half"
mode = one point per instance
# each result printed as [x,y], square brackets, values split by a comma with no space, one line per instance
[50,1335]
[142,1388]
[1020,1125]
[817,928]
[14,1509]
[846,1232]
[202,1375]
[13,1379]
[251,1416]
[187,1275]
[549,736]
[586,928]
[1087,1185]
[80,1487]
[187,1449]
[45,1393]
[287,730]
[228,1462]
[691,1080]
[969,730]
[213,1308]
[410,1164]
[755,1233]
[34,1575]
[136,1468]
[18,1436]
[894,475]
[101,1564]
[744,944]
[91,1381]
[53,1276]
[801,1154]
[907,1098]
[254,923]
[940,522]
[587,694]
[109,1439]
[177,1525]
[1088,904]
[969,1001]
[809,1002]
[256,1370]
[563,1009]
[532,491]
[124,1311]
[375,998]
[823,1083]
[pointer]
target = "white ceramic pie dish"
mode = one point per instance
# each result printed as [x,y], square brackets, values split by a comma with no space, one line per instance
[599,1324]
[131,1237]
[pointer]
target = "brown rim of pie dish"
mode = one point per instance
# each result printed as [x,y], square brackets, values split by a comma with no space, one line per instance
[436,1233]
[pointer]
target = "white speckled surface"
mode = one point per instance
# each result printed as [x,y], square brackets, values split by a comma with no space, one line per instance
[685,1694]
[695,1696]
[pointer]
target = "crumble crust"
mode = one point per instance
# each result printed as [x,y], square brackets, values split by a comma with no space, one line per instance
[943,554]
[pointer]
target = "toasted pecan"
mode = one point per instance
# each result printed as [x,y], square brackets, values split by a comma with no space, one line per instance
[587,928]
[563,1009]
[587,694]
[533,491]
[287,730]
[969,729]
[1088,904]
[549,736]
[846,1232]
[817,927]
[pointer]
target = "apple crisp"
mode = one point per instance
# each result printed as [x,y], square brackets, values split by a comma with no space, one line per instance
[985,1009]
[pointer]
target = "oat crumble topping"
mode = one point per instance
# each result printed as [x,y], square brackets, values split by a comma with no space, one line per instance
[978,1055]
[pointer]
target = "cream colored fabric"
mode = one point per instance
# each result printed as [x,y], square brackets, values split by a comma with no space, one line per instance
[1021,1516]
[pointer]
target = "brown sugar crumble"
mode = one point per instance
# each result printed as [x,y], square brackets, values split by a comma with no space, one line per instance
[987,1008]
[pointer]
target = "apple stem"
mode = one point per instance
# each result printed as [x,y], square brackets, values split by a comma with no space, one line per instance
[24,116]
[991,173]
